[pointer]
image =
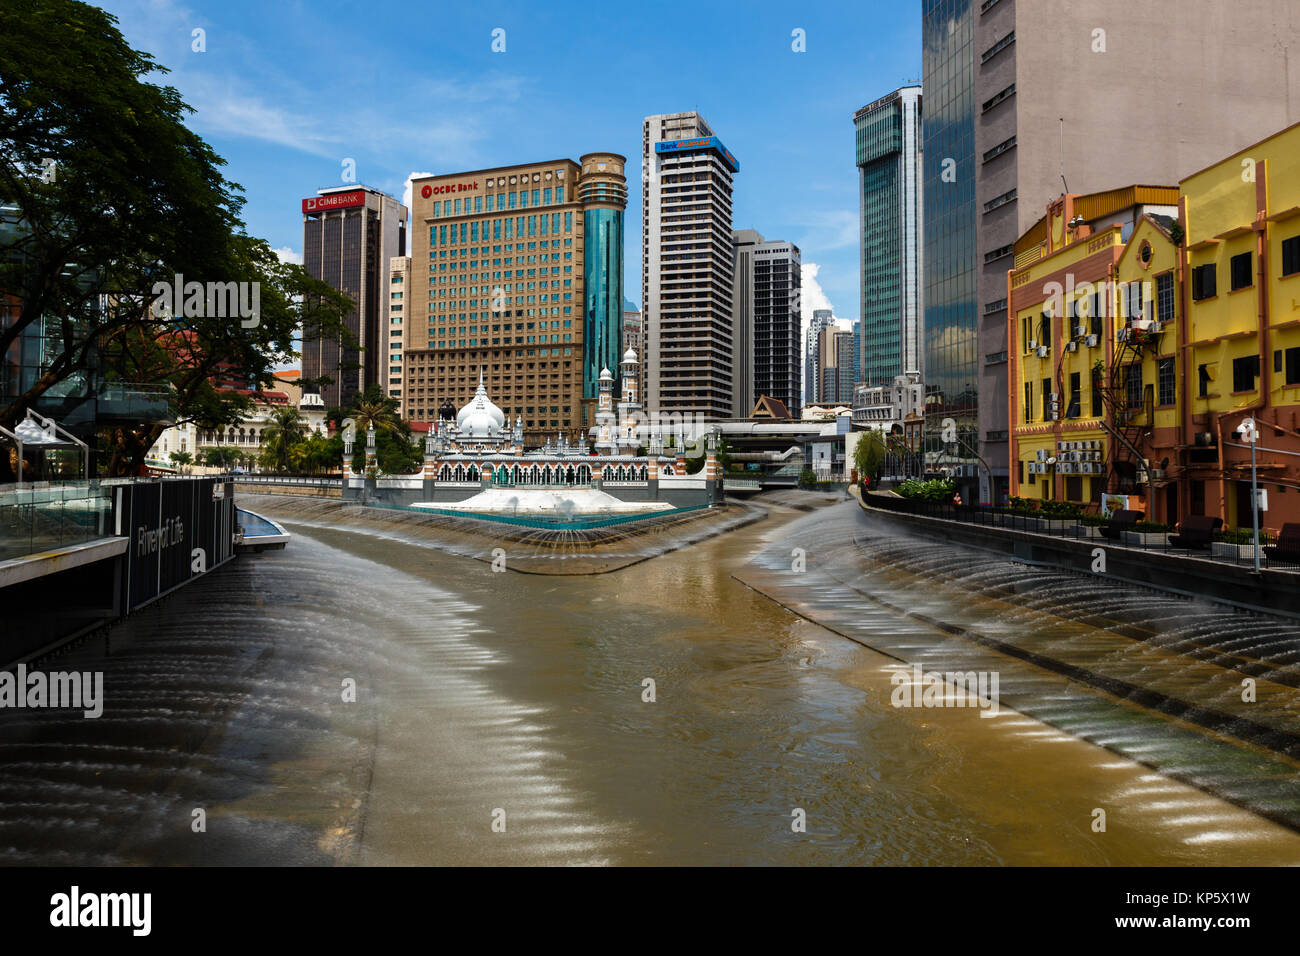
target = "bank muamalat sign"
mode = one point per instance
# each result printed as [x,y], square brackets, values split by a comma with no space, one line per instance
[355,197]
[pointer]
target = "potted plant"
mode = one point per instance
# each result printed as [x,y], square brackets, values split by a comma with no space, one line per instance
[1238,544]
[1148,534]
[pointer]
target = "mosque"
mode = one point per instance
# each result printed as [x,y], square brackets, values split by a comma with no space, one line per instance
[475,461]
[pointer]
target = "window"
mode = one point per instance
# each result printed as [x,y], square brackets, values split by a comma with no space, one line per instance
[1204,281]
[1240,269]
[1203,381]
[1133,385]
[1291,256]
[1029,401]
[1165,297]
[1165,381]
[998,47]
[998,97]
[999,149]
[1047,394]
[1075,408]
[1245,370]
[1293,366]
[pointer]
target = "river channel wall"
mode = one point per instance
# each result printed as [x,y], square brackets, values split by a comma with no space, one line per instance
[162,534]
[1274,591]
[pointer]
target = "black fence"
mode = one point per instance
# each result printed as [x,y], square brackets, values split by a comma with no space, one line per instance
[178,529]
[1233,548]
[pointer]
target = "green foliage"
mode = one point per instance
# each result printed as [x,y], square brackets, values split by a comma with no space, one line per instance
[1244,536]
[1022,506]
[1061,509]
[136,199]
[936,489]
[1093,521]
[807,478]
[287,429]
[395,453]
[869,455]
[1149,527]
[224,458]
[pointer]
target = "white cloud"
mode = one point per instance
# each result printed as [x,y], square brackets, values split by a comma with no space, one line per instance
[813,298]
[406,190]
[288,255]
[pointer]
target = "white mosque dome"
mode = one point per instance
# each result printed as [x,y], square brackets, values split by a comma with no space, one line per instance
[606,375]
[480,418]
[629,356]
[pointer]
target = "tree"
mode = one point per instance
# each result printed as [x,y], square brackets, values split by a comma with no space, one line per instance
[182,459]
[133,201]
[280,438]
[869,454]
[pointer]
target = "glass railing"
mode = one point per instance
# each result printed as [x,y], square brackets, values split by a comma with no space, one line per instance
[41,516]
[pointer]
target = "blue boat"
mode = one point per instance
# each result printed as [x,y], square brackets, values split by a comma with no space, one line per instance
[253,532]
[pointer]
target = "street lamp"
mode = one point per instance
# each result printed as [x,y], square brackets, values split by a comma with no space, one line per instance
[1250,435]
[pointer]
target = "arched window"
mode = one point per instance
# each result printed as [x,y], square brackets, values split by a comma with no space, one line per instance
[444,474]
[571,476]
[515,475]
[645,473]
[460,473]
[472,475]
[584,475]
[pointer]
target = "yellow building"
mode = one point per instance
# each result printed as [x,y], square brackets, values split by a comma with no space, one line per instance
[1093,283]
[1241,354]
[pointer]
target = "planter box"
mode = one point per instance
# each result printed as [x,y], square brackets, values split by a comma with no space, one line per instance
[1234,552]
[1058,525]
[1086,531]
[1146,539]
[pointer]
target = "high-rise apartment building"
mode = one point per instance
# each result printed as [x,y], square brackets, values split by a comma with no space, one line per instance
[835,353]
[687,267]
[399,285]
[744,242]
[777,285]
[349,236]
[633,337]
[524,269]
[888,142]
[1027,100]
[766,304]
[821,320]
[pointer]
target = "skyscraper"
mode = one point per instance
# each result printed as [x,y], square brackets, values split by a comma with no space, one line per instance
[888,144]
[349,236]
[687,267]
[777,284]
[1024,101]
[821,320]
[524,270]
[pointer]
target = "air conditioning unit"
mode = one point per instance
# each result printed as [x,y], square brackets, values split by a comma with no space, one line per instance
[1072,346]
[1140,325]
[1091,341]
[1033,344]
[1033,468]
[1080,330]
[1157,474]
[1042,351]
[1041,454]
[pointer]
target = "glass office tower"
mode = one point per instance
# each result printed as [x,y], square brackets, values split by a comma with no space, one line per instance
[949,238]
[888,147]
[602,190]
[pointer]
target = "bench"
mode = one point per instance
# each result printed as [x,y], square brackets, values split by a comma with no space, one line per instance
[1287,548]
[1196,531]
[1120,521]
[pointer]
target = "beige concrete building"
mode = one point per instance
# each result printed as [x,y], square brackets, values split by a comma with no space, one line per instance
[399,284]
[505,291]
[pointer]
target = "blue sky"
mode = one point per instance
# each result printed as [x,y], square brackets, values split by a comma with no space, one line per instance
[286,91]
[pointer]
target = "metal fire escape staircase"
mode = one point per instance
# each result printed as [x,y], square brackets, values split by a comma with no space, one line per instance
[1129,411]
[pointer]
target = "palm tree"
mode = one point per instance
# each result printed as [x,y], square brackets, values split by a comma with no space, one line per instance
[284,432]
[382,413]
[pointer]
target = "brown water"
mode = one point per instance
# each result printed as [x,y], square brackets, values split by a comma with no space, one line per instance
[480,691]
